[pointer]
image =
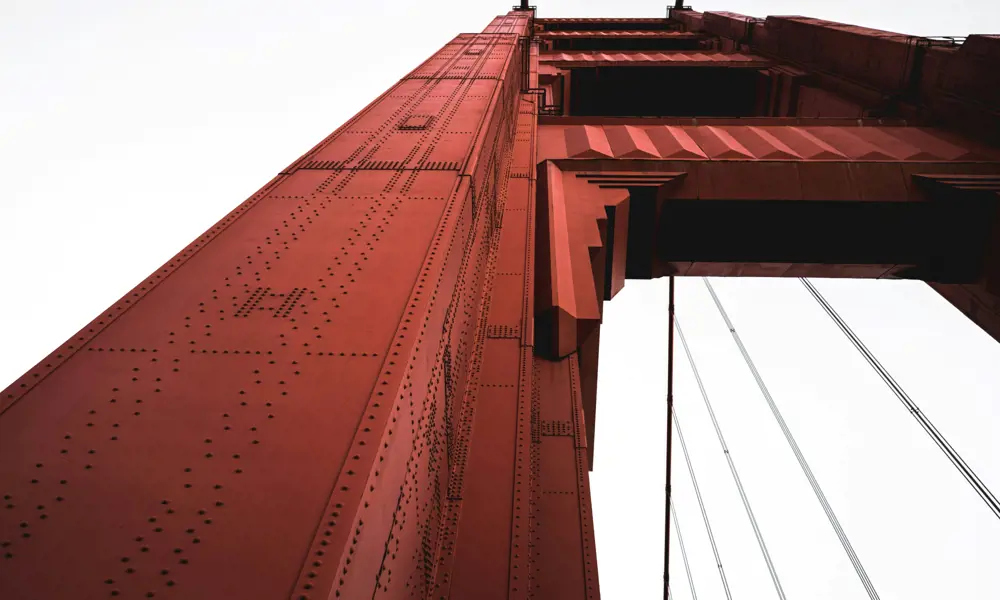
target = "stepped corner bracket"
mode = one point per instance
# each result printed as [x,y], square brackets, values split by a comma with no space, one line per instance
[589,220]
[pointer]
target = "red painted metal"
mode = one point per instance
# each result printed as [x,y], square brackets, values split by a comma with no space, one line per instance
[618,34]
[726,139]
[377,376]
[652,58]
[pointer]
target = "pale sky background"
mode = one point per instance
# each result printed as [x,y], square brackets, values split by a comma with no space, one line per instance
[129,128]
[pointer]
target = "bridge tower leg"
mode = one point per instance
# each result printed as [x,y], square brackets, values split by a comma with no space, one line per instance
[332,393]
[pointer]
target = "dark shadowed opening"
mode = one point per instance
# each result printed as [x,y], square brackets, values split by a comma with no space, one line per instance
[663,92]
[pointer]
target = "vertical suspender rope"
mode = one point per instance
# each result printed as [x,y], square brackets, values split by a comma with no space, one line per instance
[827,509]
[701,505]
[970,476]
[684,554]
[732,466]
[670,437]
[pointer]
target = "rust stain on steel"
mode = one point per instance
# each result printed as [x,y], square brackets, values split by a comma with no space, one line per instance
[376,377]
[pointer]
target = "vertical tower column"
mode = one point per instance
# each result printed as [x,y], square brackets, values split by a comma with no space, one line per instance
[283,409]
[522,499]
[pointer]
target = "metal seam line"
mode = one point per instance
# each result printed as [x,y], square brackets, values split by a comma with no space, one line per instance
[732,466]
[701,505]
[970,476]
[813,483]
[684,554]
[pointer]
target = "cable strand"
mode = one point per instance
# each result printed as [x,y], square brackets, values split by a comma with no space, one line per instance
[684,554]
[732,465]
[701,505]
[936,436]
[803,464]
[670,438]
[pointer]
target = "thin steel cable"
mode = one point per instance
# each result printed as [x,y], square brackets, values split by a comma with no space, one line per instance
[670,438]
[684,553]
[970,476]
[732,466]
[701,505]
[806,470]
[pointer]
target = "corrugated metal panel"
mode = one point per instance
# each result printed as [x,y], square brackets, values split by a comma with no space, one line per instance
[756,142]
[620,34]
[652,58]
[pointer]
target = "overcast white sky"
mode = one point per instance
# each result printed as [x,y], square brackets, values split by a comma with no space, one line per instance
[127,129]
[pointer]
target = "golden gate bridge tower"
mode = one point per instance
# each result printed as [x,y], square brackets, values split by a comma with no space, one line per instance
[376,377]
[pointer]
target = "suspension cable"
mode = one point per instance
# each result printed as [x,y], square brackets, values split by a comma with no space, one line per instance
[701,505]
[732,465]
[970,476]
[813,483]
[684,554]
[670,439]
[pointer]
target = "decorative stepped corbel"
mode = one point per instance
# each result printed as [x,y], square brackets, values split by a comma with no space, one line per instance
[583,219]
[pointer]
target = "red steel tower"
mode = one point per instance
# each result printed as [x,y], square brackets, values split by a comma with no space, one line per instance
[376,377]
